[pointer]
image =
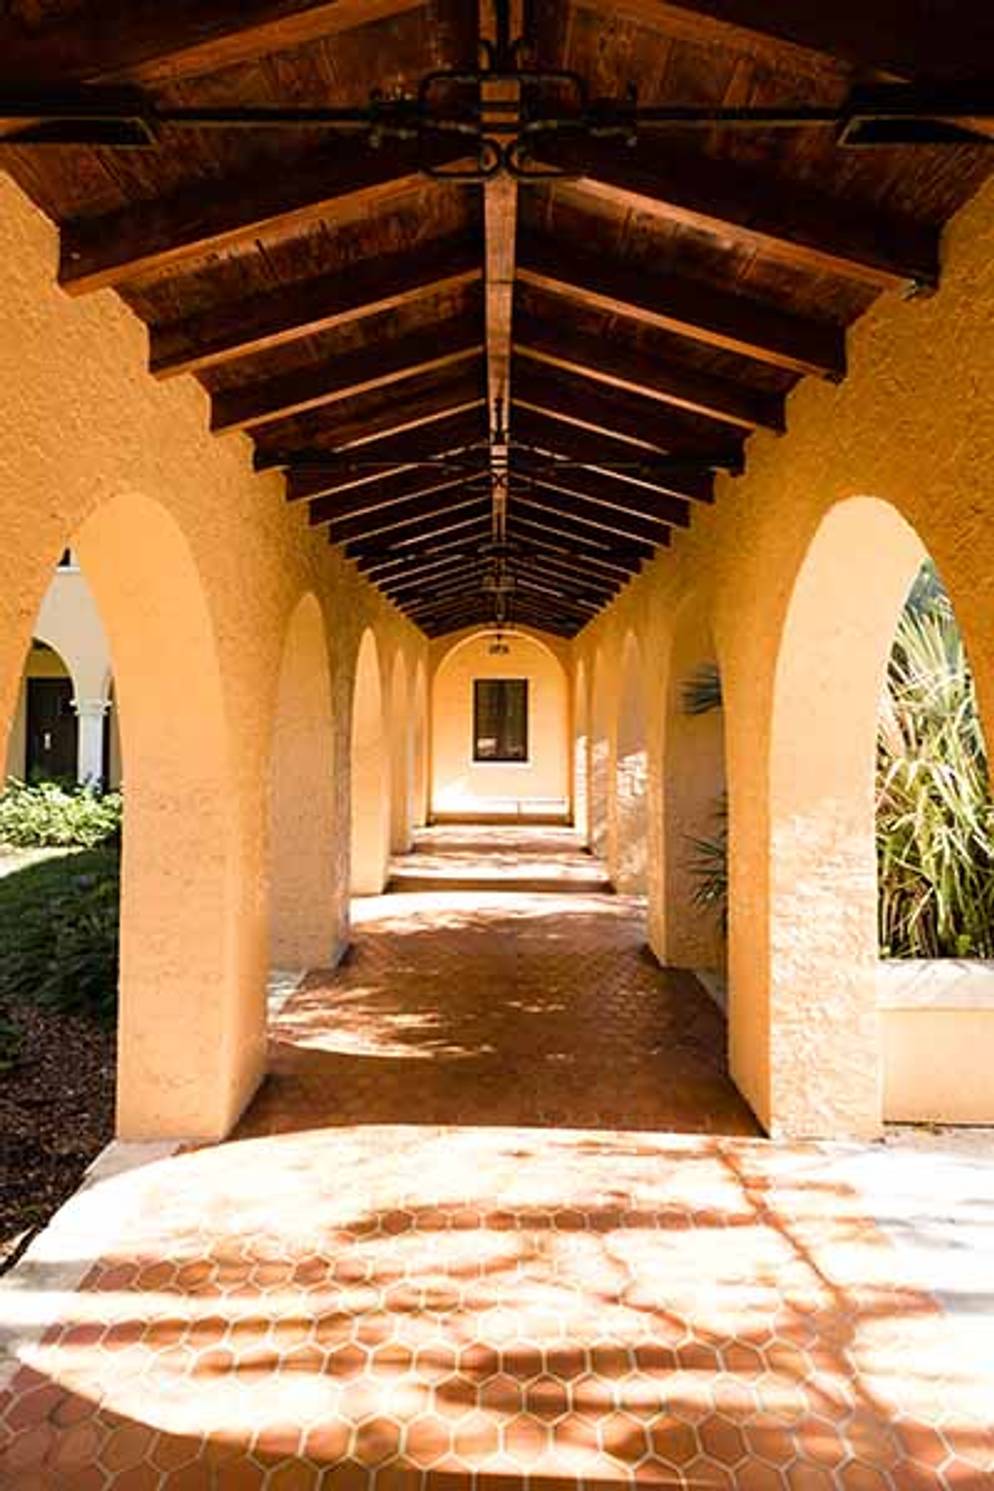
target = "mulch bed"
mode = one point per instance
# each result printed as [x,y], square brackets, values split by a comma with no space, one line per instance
[56,1114]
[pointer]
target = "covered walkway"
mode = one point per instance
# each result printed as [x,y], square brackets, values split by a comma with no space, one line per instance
[456,1243]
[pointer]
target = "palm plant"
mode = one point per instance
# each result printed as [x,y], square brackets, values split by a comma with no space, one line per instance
[934,812]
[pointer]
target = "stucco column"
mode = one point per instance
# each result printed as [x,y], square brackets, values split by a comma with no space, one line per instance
[90,749]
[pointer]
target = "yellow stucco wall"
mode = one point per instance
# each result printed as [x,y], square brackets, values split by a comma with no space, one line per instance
[912,426]
[461,785]
[197,566]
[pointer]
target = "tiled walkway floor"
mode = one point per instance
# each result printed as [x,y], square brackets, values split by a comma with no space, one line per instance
[456,1247]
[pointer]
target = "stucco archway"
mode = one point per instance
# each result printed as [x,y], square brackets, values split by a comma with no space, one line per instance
[629,846]
[420,763]
[581,752]
[370,777]
[824,1038]
[401,754]
[600,753]
[191,1023]
[693,797]
[301,798]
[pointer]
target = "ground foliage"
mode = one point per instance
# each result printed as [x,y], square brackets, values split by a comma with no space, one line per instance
[47,814]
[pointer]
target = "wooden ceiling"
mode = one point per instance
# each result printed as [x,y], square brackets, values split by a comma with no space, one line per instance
[554,341]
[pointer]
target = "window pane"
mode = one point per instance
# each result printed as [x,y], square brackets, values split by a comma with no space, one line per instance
[500,719]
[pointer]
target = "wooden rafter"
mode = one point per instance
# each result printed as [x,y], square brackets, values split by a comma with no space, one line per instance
[596,549]
[587,513]
[365,371]
[561,436]
[351,424]
[689,308]
[171,231]
[378,500]
[260,322]
[417,531]
[388,554]
[603,361]
[784,220]
[148,42]
[624,496]
[624,416]
[902,37]
[423,510]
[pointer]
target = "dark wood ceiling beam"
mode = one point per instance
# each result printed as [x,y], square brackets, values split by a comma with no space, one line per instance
[561,521]
[401,515]
[241,328]
[430,529]
[330,509]
[588,514]
[906,38]
[689,308]
[537,527]
[559,436]
[398,567]
[595,595]
[200,220]
[783,219]
[368,370]
[404,481]
[556,601]
[352,424]
[379,554]
[623,416]
[620,497]
[145,41]
[423,581]
[603,361]
[431,444]
[575,567]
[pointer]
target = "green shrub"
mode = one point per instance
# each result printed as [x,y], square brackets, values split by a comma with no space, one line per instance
[52,815]
[59,931]
[934,811]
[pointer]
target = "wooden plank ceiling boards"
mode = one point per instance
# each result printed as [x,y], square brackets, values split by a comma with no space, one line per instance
[530,380]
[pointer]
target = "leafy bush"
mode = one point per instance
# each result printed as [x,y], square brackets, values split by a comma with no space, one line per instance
[49,814]
[935,817]
[59,931]
[935,814]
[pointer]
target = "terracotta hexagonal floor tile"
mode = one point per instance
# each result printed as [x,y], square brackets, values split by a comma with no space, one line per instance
[376,1440]
[722,1439]
[525,1440]
[673,1441]
[427,1439]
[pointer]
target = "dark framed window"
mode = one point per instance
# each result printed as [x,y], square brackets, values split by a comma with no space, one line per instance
[500,719]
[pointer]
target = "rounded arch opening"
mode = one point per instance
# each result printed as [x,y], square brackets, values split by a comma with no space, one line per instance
[302,889]
[370,777]
[500,730]
[419,745]
[192,945]
[401,757]
[824,1052]
[629,857]
[695,820]
[600,752]
[581,752]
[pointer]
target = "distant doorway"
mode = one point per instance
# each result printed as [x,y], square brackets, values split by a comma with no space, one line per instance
[52,734]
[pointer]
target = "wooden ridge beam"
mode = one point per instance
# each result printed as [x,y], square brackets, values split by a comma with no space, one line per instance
[401,514]
[331,509]
[354,423]
[368,370]
[603,361]
[461,517]
[144,41]
[240,328]
[715,317]
[622,496]
[784,219]
[591,514]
